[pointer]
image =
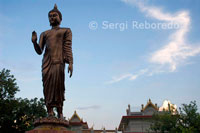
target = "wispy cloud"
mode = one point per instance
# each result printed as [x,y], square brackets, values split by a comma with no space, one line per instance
[122,77]
[128,76]
[89,107]
[176,51]
[172,54]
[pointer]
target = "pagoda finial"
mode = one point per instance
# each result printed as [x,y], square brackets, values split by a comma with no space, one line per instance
[142,105]
[169,108]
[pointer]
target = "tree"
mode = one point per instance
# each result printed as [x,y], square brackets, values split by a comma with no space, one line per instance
[26,112]
[8,86]
[164,122]
[187,121]
[17,114]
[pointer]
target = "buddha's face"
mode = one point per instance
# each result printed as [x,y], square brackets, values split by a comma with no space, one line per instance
[54,18]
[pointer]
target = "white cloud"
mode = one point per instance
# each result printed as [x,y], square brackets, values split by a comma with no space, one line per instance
[89,107]
[133,77]
[176,51]
[172,54]
[121,77]
[128,76]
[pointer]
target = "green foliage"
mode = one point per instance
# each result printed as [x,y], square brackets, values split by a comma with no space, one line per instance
[8,86]
[164,122]
[17,114]
[187,121]
[189,118]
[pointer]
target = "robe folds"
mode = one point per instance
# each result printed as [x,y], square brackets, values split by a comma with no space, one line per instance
[57,43]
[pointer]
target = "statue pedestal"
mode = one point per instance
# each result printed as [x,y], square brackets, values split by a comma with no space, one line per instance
[50,125]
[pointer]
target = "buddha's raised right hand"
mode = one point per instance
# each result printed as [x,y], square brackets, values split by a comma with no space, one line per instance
[34,37]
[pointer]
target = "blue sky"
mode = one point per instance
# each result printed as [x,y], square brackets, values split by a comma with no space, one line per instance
[112,67]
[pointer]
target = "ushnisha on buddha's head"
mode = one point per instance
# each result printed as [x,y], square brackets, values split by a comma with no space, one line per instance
[55,16]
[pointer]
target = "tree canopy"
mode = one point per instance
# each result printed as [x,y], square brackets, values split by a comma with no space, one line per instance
[8,86]
[17,114]
[186,121]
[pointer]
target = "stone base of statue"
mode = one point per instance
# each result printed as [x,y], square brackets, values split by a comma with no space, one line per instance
[50,125]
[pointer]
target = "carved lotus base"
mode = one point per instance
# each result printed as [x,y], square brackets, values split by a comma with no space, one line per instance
[53,121]
[50,125]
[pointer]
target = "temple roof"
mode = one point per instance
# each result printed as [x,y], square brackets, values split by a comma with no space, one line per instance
[75,120]
[145,113]
[75,116]
[149,103]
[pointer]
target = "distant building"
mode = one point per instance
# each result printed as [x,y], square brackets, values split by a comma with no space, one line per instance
[133,122]
[79,126]
[98,131]
[138,122]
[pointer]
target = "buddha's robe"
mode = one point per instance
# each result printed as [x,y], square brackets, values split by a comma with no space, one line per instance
[57,43]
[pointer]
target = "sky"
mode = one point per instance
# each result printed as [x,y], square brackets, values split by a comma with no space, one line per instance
[125,52]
